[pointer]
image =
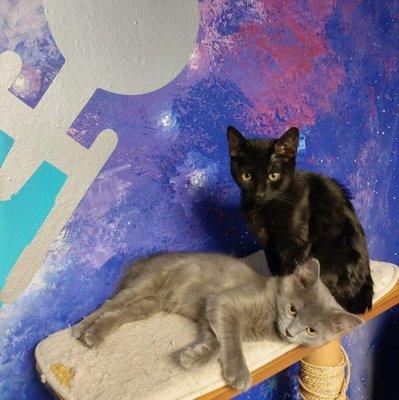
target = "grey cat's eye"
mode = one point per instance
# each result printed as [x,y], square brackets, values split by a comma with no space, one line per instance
[310,331]
[274,176]
[292,309]
[246,177]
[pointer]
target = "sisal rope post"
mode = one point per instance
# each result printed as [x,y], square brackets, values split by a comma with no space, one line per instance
[319,382]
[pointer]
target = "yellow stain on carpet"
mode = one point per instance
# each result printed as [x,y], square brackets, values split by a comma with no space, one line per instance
[63,374]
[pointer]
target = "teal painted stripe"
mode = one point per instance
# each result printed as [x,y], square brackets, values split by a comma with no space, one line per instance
[5,146]
[23,215]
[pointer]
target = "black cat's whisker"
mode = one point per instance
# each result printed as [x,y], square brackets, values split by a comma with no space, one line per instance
[286,199]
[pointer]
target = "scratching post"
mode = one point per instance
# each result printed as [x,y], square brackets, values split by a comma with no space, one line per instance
[325,373]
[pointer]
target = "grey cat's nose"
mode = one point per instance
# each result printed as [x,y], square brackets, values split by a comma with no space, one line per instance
[287,333]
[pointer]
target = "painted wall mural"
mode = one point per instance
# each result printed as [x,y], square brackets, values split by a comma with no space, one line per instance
[329,67]
[160,38]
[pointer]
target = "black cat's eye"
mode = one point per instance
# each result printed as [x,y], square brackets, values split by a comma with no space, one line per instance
[311,331]
[246,177]
[274,176]
[292,310]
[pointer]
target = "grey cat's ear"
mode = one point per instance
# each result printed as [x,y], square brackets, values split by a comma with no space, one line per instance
[287,145]
[308,273]
[237,142]
[343,321]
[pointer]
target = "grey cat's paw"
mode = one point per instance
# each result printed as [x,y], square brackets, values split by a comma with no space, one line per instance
[88,335]
[190,358]
[196,355]
[238,377]
[78,330]
[91,337]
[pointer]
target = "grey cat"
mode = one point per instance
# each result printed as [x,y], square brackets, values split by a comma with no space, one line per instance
[229,301]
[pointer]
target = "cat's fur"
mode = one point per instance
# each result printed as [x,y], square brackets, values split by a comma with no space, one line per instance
[301,215]
[228,300]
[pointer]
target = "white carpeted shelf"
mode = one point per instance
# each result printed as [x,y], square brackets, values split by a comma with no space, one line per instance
[136,361]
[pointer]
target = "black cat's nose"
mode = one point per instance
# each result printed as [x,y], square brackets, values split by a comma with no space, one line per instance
[260,196]
[287,333]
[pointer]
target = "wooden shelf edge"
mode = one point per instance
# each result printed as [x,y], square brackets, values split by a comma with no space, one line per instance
[284,361]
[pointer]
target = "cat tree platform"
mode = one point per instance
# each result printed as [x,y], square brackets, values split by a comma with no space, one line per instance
[136,362]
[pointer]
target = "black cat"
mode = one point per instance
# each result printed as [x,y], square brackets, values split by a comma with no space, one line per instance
[297,215]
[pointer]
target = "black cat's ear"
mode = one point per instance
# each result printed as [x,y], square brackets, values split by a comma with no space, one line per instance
[308,273]
[343,321]
[287,145]
[237,142]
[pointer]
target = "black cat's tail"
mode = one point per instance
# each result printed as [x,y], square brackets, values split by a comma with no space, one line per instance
[363,301]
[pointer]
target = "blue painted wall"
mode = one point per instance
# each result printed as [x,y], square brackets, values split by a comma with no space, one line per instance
[22,216]
[329,67]
[6,142]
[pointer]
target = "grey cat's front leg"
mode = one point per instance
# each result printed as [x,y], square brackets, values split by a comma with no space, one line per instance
[201,352]
[123,308]
[122,298]
[225,324]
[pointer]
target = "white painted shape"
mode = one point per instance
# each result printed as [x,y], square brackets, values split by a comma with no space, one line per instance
[38,140]
[125,46]
[11,65]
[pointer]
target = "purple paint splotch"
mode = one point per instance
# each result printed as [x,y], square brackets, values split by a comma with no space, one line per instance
[261,65]
[24,29]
